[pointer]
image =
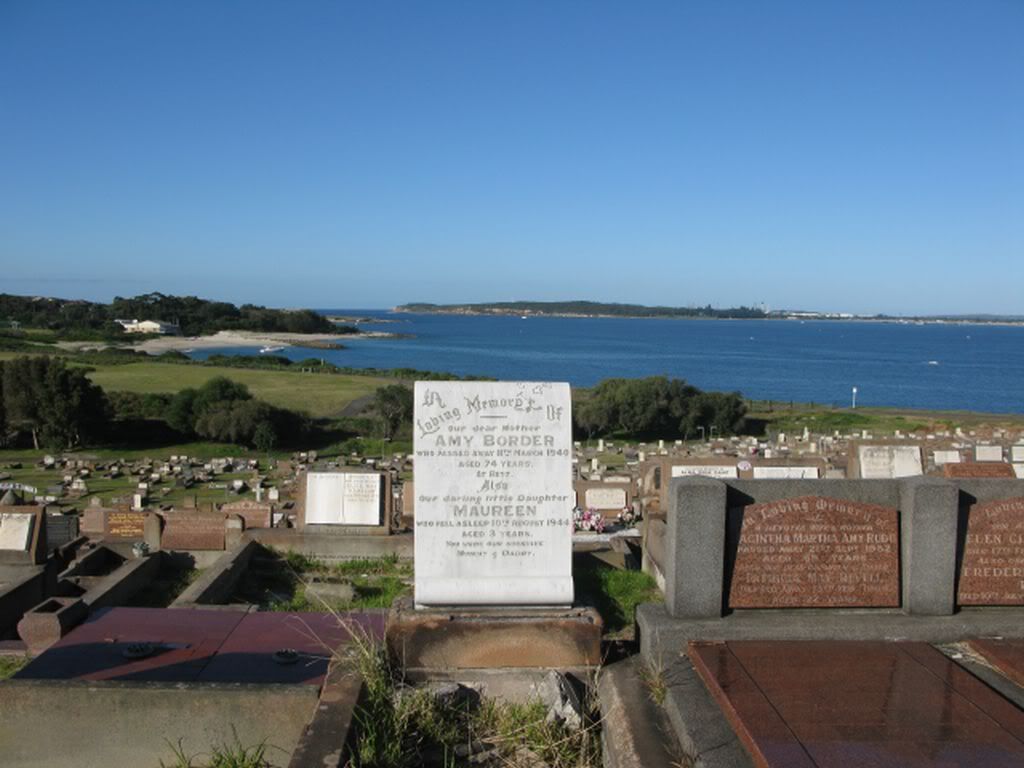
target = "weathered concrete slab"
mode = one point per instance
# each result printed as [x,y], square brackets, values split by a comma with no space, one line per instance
[635,732]
[494,638]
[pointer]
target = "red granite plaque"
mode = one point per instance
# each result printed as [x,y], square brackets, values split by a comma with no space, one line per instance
[843,704]
[971,470]
[992,570]
[255,513]
[124,524]
[816,552]
[185,530]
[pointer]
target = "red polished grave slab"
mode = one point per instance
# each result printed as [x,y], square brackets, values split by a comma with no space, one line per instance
[833,704]
[201,646]
[247,656]
[95,650]
[1007,656]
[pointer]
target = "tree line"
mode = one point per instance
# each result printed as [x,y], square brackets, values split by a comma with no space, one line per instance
[193,315]
[58,408]
[656,407]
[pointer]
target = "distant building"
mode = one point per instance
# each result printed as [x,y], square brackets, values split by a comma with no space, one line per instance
[149,326]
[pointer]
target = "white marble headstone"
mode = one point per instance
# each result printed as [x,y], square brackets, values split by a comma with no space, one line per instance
[343,498]
[785,473]
[988,453]
[494,493]
[1017,454]
[886,462]
[16,530]
[946,457]
[605,498]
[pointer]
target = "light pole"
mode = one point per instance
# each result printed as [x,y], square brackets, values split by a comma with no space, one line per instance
[854,405]
[713,429]
[701,433]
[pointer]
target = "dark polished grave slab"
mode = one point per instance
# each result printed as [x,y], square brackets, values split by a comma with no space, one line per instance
[879,704]
[1007,656]
[101,648]
[200,646]
[247,655]
[814,552]
[992,569]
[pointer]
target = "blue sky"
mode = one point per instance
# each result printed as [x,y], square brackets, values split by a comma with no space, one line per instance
[863,156]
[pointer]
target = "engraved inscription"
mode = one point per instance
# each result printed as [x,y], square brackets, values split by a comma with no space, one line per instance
[970,470]
[185,530]
[493,493]
[813,551]
[125,524]
[992,570]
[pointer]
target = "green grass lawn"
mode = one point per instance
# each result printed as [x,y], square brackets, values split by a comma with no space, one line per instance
[784,417]
[614,592]
[318,394]
[9,665]
[376,582]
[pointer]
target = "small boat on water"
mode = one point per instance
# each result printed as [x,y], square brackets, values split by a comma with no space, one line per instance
[267,350]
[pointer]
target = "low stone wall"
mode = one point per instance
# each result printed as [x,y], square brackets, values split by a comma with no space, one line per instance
[70,724]
[21,595]
[217,582]
[121,585]
[332,547]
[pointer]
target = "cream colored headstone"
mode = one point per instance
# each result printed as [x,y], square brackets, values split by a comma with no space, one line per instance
[343,498]
[988,453]
[16,530]
[605,498]
[886,462]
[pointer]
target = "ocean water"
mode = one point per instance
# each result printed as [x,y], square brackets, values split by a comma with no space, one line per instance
[935,366]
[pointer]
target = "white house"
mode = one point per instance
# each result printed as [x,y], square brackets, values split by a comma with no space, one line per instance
[148,326]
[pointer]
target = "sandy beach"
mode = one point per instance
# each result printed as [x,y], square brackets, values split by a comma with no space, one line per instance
[232,339]
[254,339]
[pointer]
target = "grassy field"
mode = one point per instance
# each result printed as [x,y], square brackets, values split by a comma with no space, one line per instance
[823,420]
[318,394]
[124,486]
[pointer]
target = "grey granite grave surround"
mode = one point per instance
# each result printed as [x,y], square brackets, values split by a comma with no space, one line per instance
[695,548]
[928,529]
[932,514]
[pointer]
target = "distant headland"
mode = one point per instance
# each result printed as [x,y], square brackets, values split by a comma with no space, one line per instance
[603,309]
[580,309]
